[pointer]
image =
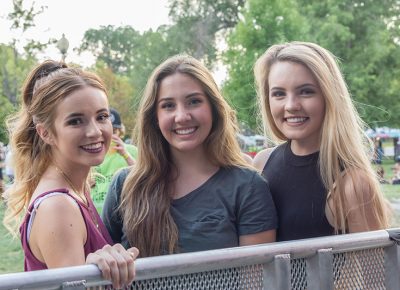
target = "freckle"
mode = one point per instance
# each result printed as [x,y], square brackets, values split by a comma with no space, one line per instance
[70,225]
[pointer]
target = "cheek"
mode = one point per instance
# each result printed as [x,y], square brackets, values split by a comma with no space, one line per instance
[274,111]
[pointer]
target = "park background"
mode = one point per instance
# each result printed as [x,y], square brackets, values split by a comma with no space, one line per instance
[228,36]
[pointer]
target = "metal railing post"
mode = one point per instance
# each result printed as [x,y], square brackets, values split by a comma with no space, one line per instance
[392,266]
[276,274]
[320,270]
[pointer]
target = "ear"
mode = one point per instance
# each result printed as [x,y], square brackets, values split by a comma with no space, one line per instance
[44,134]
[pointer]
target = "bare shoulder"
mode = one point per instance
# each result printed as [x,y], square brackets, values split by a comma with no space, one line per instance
[261,158]
[59,212]
[247,158]
[58,232]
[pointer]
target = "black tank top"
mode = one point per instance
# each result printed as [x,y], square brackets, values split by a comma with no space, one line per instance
[299,194]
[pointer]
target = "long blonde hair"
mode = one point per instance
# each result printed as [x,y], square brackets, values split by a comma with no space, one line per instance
[45,87]
[345,147]
[146,194]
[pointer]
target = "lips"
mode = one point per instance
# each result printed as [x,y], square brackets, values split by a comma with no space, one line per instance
[185,131]
[93,148]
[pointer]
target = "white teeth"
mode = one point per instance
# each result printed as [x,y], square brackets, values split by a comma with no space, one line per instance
[295,119]
[185,131]
[92,146]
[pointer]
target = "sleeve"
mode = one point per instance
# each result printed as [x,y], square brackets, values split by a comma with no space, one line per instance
[256,212]
[110,215]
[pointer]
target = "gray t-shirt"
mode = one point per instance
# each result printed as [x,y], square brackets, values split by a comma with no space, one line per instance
[233,202]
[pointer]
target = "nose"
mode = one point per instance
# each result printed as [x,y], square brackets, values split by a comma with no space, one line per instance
[292,103]
[93,129]
[182,114]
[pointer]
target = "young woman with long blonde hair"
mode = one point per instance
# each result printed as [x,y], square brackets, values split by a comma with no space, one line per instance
[320,175]
[191,188]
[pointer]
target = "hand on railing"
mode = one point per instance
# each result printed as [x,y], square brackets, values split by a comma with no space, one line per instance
[115,263]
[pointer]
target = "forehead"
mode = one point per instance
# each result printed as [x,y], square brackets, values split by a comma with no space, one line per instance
[84,100]
[177,85]
[284,73]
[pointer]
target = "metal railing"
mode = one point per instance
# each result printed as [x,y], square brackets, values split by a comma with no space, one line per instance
[369,260]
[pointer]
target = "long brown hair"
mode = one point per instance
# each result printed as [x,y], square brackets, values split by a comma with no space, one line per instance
[345,147]
[146,194]
[45,87]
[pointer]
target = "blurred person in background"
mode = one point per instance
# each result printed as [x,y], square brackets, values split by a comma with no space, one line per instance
[119,155]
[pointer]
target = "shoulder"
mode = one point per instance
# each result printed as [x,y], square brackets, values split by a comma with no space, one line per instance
[58,204]
[117,182]
[59,212]
[247,158]
[261,158]
[243,177]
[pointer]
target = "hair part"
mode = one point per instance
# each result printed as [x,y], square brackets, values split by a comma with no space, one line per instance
[345,147]
[146,194]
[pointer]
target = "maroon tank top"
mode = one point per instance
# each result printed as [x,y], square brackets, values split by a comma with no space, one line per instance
[97,237]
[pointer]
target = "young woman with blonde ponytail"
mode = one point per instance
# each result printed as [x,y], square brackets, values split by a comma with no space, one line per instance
[190,189]
[61,130]
[320,173]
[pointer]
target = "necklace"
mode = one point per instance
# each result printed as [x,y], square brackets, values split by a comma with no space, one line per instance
[82,197]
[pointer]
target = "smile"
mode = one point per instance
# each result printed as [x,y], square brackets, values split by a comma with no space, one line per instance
[296,119]
[93,148]
[185,131]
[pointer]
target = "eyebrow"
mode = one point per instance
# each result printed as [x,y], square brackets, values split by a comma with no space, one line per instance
[186,97]
[298,87]
[72,115]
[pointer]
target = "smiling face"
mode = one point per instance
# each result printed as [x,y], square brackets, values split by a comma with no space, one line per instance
[297,105]
[82,129]
[183,113]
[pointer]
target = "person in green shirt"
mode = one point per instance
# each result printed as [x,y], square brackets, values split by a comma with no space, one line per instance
[119,155]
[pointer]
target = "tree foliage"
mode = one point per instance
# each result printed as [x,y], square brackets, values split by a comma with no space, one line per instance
[263,24]
[197,24]
[363,34]
[120,92]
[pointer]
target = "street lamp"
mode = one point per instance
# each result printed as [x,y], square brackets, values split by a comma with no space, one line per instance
[63,45]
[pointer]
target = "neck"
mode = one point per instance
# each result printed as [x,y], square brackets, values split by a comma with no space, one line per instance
[76,180]
[302,148]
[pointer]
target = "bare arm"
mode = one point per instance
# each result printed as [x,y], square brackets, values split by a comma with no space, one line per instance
[58,237]
[58,233]
[259,238]
[361,207]
[120,148]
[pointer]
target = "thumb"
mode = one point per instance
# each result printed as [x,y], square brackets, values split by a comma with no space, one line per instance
[134,252]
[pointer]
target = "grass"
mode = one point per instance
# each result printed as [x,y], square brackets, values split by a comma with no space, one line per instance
[12,257]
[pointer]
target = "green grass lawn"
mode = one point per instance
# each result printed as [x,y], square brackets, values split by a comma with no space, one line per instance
[12,257]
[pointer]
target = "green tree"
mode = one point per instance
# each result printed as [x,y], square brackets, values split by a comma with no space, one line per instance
[197,24]
[120,92]
[364,35]
[262,24]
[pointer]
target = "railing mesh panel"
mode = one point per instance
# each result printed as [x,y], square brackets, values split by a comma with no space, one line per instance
[247,277]
[356,270]
[298,274]
[363,269]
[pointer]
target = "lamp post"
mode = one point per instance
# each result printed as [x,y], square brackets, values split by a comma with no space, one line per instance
[63,45]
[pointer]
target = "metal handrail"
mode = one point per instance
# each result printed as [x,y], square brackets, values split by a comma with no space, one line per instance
[186,263]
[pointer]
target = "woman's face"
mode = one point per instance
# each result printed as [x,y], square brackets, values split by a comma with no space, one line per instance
[184,113]
[297,104]
[82,129]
